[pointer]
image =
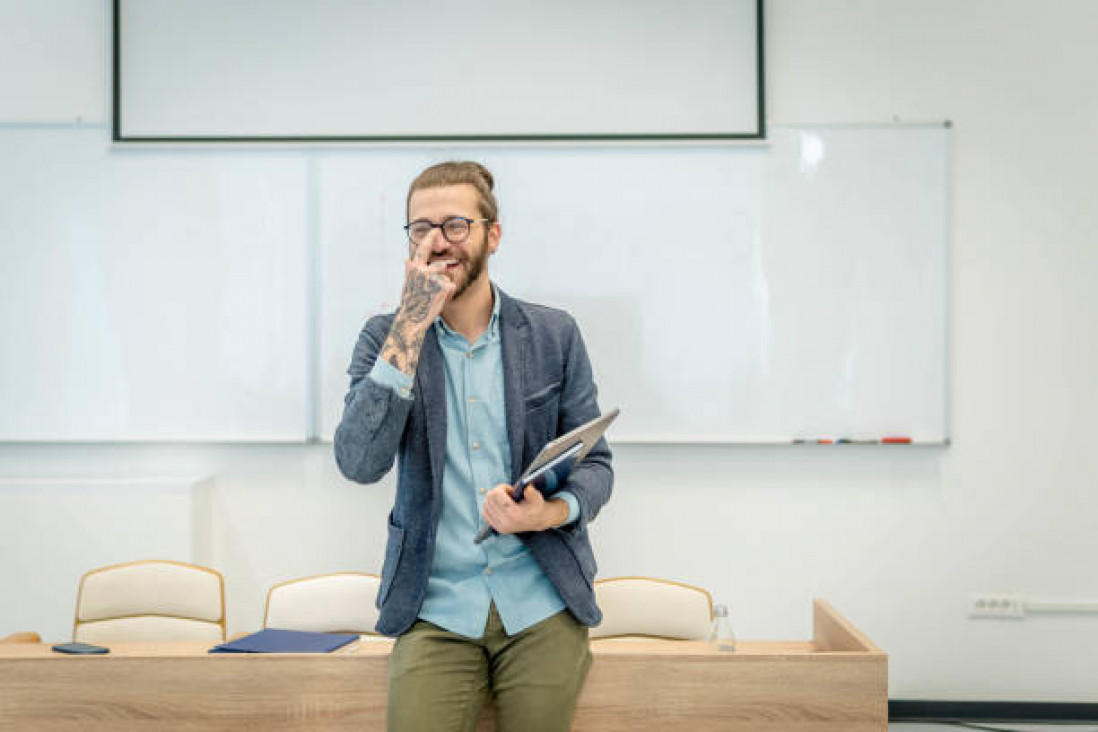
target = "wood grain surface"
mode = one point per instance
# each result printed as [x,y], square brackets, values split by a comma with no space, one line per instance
[633,685]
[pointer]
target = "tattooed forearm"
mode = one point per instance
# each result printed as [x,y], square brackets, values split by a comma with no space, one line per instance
[426,291]
[401,348]
[419,290]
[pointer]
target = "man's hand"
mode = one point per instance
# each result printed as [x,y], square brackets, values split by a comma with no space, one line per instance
[533,513]
[426,291]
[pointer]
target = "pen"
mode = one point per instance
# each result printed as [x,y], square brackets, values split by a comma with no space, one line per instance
[895,440]
[483,534]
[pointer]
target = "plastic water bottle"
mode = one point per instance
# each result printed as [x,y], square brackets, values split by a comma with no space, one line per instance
[722,629]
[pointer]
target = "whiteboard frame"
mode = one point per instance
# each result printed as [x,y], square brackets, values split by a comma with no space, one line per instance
[758,134]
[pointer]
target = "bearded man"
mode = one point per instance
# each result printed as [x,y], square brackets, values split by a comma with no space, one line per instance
[462,386]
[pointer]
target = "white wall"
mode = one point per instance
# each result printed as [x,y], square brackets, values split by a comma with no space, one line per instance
[896,539]
[52,531]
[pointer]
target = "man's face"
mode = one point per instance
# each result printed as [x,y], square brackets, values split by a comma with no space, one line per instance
[465,260]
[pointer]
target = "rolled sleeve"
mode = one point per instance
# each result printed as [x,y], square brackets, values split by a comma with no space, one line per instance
[573,506]
[385,374]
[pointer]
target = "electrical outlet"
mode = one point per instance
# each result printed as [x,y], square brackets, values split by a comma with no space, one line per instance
[996,607]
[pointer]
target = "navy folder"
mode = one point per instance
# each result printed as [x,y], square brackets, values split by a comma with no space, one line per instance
[273,640]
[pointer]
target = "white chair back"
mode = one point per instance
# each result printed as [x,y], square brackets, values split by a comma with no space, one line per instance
[153,600]
[329,603]
[652,608]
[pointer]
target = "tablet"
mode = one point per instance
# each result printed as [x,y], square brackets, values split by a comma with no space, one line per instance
[586,434]
[556,460]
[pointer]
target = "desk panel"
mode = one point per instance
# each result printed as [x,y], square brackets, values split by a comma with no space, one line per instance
[633,685]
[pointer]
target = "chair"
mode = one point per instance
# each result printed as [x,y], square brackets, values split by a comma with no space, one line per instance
[342,602]
[652,608]
[151,600]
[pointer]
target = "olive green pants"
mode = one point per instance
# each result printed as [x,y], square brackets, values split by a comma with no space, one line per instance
[439,681]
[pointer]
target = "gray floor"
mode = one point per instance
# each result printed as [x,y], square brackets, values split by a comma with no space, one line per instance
[1014,727]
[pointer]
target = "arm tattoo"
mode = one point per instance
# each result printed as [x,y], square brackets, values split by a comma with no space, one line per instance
[419,290]
[402,347]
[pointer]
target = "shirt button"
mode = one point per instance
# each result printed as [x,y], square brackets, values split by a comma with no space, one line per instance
[487,570]
[482,490]
[476,445]
[472,399]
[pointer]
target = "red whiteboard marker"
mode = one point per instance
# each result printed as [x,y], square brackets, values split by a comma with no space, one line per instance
[895,440]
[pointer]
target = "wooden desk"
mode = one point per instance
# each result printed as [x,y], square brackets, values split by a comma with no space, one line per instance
[835,683]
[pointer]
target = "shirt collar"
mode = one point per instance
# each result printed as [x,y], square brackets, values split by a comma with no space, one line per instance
[493,322]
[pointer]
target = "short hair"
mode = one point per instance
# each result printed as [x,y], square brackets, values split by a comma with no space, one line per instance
[456,173]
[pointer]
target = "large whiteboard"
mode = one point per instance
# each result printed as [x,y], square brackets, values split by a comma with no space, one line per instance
[725,294]
[150,294]
[425,69]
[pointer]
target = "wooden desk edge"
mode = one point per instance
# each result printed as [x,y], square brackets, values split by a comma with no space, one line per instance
[850,685]
[832,632]
[833,637]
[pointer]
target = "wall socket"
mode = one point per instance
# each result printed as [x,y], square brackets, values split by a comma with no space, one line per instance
[996,607]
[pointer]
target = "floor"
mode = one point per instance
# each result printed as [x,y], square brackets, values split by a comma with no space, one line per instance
[1009,726]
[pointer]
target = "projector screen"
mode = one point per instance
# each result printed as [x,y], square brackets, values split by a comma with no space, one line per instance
[420,70]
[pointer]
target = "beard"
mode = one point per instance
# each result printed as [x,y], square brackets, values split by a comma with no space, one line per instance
[474,262]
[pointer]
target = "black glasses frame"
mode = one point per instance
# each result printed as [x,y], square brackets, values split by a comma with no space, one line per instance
[441,226]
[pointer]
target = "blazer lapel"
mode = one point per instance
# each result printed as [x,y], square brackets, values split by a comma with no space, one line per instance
[514,333]
[431,384]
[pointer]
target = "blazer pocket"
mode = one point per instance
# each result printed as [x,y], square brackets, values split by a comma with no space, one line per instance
[393,548]
[541,397]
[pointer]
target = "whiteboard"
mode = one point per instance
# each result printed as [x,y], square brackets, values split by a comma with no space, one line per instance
[726,294]
[150,295]
[759,294]
[425,69]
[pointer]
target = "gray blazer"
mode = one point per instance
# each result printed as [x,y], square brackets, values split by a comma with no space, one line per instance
[548,390]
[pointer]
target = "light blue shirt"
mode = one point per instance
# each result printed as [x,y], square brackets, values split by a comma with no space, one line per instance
[466,578]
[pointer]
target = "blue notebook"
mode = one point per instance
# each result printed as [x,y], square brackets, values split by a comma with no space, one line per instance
[273,640]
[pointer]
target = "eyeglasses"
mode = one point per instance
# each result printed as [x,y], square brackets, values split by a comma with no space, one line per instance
[455,229]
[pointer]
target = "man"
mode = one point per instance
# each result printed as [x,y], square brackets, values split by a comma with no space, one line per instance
[464,385]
